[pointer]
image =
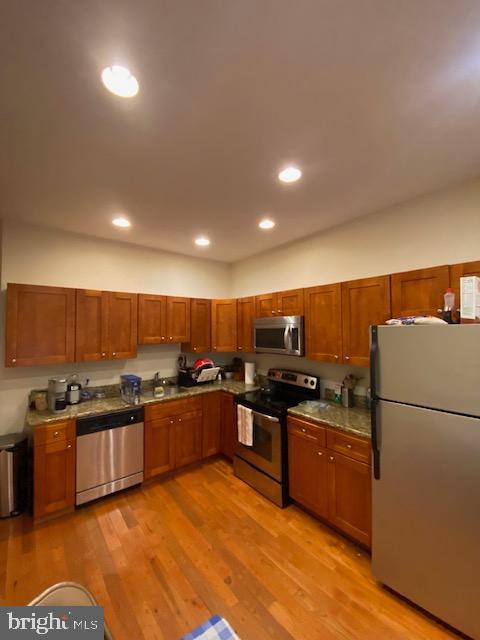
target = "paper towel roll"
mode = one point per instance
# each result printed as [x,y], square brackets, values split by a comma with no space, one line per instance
[249,373]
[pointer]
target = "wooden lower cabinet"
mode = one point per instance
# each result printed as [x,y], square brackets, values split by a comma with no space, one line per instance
[332,485]
[159,447]
[229,425]
[212,422]
[54,469]
[188,438]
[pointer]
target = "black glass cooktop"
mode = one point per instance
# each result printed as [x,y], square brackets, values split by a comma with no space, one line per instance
[275,404]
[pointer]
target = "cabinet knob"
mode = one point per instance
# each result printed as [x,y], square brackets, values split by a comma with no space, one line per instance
[336,357]
[56,434]
[279,311]
[214,348]
[349,446]
[69,446]
[171,338]
[304,430]
[179,419]
[163,337]
[194,348]
[14,360]
[331,458]
[171,421]
[347,357]
[320,453]
[114,354]
[273,313]
[240,348]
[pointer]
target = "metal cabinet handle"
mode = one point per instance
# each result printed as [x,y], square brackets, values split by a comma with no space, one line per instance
[104,355]
[304,430]
[240,348]
[114,354]
[320,453]
[179,419]
[171,338]
[347,357]
[171,421]
[349,446]
[14,360]
[194,348]
[336,357]
[163,337]
[56,434]
[331,458]
[69,446]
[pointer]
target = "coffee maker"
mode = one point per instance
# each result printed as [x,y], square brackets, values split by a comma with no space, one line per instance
[57,394]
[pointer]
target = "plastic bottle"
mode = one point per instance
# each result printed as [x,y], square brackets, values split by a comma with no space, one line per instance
[449,300]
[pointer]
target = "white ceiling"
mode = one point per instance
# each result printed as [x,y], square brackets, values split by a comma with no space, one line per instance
[376,100]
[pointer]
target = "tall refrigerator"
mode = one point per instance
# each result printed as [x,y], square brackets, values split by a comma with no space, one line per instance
[426,467]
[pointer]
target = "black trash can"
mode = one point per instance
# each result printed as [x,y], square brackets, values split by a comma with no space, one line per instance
[13,474]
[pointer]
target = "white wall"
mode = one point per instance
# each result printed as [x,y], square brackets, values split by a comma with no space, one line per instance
[35,255]
[441,228]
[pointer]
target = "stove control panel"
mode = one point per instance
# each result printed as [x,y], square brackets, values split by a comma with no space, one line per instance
[295,378]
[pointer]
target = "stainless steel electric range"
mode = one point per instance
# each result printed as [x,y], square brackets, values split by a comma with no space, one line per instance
[264,465]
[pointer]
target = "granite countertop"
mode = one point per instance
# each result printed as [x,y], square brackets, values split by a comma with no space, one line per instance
[106,405]
[355,420]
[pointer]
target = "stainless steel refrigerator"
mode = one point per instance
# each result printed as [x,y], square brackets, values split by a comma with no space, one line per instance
[426,467]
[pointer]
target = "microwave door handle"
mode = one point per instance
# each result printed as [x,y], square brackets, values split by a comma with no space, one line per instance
[287,343]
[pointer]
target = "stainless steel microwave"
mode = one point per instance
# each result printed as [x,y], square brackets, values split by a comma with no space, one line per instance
[282,334]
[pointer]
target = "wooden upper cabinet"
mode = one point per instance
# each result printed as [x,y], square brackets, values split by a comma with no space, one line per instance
[458,271]
[40,325]
[122,325]
[224,325]
[323,323]
[420,292]
[290,303]
[364,303]
[245,318]
[200,326]
[152,319]
[265,305]
[91,327]
[178,319]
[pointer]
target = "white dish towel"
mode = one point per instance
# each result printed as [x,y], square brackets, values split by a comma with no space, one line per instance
[245,425]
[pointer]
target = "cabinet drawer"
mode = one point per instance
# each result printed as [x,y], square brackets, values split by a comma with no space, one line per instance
[56,432]
[174,408]
[356,448]
[307,430]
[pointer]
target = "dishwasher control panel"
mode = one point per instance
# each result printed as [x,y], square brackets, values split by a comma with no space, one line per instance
[104,421]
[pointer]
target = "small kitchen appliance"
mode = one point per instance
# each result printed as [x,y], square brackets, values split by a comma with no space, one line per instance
[57,398]
[282,334]
[130,388]
[73,390]
[202,371]
[264,465]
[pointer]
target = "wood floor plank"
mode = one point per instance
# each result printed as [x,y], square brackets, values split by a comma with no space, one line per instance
[164,557]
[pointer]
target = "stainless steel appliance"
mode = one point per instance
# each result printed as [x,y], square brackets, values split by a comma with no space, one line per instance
[264,465]
[281,334]
[109,453]
[426,485]
[57,394]
[13,474]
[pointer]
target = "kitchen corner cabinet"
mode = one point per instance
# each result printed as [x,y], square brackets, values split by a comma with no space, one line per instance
[106,325]
[178,319]
[364,302]
[200,326]
[245,318]
[323,323]
[152,319]
[229,425]
[458,271]
[281,303]
[224,325]
[420,292]
[40,325]
[53,468]
[330,474]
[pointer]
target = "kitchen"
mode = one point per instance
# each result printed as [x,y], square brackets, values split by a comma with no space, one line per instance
[83,296]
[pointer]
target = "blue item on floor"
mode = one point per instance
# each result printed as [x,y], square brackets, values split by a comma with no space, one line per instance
[216,628]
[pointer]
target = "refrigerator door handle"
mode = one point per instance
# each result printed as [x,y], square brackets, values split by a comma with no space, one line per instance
[373,387]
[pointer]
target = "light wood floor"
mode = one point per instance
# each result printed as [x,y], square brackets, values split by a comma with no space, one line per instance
[163,558]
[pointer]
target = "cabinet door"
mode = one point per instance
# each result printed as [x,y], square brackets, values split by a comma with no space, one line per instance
[54,477]
[178,319]
[224,325]
[152,319]
[159,446]
[122,325]
[229,426]
[364,302]
[290,303]
[265,305]
[323,323]
[188,438]
[212,420]
[200,326]
[245,317]
[40,325]
[419,292]
[91,325]
[458,271]
[307,472]
[350,496]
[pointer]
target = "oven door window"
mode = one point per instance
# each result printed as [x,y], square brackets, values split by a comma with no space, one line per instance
[265,452]
[262,442]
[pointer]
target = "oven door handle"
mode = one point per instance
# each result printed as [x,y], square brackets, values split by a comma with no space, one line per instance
[264,415]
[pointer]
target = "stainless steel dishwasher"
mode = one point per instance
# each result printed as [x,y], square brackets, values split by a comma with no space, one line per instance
[109,453]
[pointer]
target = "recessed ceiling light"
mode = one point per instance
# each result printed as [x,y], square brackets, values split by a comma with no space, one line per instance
[120,81]
[290,174]
[202,241]
[266,224]
[121,222]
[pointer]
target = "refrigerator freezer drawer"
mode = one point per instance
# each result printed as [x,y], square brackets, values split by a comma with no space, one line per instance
[426,511]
